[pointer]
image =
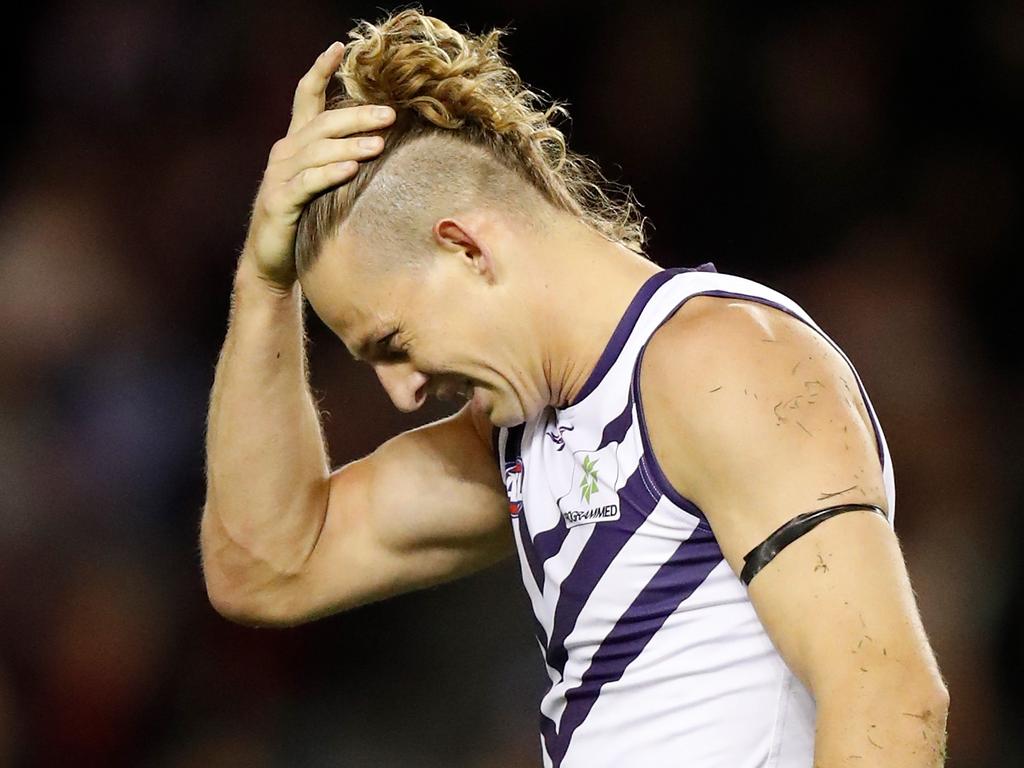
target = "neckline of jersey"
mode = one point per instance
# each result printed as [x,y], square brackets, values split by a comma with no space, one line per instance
[623,330]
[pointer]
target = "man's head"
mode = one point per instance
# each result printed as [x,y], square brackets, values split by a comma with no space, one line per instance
[432,240]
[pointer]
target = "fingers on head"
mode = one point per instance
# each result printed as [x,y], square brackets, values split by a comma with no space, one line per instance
[313,181]
[316,146]
[345,121]
[309,93]
[327,151]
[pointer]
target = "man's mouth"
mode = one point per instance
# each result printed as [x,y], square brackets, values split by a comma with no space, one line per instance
[458,389]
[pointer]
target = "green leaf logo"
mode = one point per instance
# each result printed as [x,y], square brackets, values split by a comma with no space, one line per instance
[588,485]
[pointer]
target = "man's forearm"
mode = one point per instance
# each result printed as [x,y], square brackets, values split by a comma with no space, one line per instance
[267,466]
[869,727]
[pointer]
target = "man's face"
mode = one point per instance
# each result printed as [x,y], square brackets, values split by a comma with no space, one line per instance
[431,329]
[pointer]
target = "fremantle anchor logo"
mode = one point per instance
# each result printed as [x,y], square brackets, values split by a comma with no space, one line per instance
[556,437]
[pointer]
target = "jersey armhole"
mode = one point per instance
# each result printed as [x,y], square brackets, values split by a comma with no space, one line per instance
[648,458]
[495,437]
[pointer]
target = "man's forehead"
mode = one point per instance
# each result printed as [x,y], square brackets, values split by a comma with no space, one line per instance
[355,302]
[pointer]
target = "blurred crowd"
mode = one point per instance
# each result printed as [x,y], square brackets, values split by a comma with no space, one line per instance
[862,158]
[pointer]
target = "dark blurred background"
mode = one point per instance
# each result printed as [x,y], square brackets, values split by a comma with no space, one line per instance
[862,158]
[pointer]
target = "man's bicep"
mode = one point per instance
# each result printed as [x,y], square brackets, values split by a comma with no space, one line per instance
[425,507]
[838,605]
[758,419]
[770,425]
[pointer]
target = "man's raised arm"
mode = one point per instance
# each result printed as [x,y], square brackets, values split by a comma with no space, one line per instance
[283,539]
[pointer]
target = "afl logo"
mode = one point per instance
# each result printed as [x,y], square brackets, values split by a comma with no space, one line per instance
[514,486]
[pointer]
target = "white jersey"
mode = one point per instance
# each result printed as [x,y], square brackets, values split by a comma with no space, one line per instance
[655,654]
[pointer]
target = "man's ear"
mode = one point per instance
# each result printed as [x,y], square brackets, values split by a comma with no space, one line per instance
[461,238]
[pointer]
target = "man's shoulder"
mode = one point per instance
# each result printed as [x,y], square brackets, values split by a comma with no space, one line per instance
[735,375]
[722,334]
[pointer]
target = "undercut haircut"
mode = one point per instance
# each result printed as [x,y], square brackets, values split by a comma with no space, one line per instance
[480,135]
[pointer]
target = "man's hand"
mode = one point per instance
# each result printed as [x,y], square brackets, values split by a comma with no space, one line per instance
[312,157]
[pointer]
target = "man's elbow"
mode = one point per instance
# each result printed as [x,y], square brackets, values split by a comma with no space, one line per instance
[922,703]
[888,690]
[940,694]
[254,610]
[253,602]
[922,684]
[245,589]
[930,695]
[877,679]
[882,707]
[262,598]
[919,715]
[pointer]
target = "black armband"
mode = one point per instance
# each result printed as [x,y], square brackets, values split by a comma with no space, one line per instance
[765,552]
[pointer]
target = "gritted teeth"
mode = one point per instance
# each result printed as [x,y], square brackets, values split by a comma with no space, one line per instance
[454,389]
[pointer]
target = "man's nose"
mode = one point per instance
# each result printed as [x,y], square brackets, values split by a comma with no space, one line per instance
[406,386]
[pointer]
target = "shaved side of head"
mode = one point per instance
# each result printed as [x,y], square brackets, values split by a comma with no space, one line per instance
[428,179]
[467,132]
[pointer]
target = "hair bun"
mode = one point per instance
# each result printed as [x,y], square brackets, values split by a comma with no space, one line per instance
[439,79]
[417,62]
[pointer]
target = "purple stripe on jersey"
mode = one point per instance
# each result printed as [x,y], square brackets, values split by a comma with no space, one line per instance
[549,543]
[628,321]
[673,583]
[536,565]
[616,429]
[538,631]
[605,542]
[623,330]
[648,461]
[513,451]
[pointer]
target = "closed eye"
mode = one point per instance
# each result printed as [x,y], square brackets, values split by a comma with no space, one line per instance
[389,347]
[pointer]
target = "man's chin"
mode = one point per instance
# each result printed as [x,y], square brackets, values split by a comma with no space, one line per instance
[499,416]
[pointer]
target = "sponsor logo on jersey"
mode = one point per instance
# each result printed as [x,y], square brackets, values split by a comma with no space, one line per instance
[593,515]
[592,497]
[514,486]
[588,485]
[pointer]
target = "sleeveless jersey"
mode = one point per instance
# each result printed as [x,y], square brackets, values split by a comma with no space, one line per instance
[655,655]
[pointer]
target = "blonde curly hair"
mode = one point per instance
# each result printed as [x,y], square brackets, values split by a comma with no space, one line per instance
[446,84]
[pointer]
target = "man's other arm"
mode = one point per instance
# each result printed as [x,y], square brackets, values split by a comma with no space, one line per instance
[757,418]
